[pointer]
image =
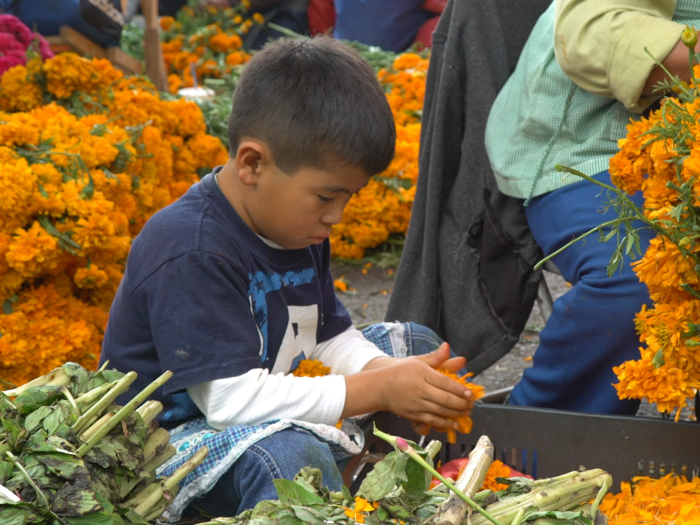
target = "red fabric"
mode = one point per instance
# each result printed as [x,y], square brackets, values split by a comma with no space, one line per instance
[15,38]
[425,33]
[450,470]
[321,15]
[435,6]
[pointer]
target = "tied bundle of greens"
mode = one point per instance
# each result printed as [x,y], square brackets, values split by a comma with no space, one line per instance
[69,455]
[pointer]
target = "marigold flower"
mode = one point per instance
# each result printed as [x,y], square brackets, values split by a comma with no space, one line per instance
[311,368]
[101,177]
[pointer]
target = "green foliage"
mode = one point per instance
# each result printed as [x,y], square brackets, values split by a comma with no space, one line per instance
[39,460]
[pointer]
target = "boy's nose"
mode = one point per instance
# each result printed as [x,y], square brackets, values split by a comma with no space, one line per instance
[333,217]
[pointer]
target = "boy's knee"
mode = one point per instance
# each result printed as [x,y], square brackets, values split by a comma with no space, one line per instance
[422,339]
[285,453]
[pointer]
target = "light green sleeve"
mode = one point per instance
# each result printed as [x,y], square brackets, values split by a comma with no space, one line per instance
[600,44]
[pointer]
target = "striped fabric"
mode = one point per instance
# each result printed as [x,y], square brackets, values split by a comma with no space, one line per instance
[552,121]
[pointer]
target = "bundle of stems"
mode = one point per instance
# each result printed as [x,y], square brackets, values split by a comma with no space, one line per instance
[95,417]
[562,493]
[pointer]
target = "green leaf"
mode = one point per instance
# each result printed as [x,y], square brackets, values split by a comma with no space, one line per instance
[14,516]
[659,360]
[385,475]
[418,479]
[553,517]
[346,493]
[131,518]
[64,465]
[34,419]
[294,494]
[78,378]
[37,396]
[307,515]
[609,235]
[77,500]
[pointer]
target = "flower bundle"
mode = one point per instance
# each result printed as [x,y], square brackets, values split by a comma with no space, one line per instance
[660,156]
[647,501]
[86,157]
[15,40]
[383,207]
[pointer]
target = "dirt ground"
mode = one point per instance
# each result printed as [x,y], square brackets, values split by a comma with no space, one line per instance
[369,300]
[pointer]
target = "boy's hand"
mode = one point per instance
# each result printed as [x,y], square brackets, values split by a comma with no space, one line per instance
[411,388]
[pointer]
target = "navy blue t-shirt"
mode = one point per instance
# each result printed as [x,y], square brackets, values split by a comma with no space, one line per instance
[205,297]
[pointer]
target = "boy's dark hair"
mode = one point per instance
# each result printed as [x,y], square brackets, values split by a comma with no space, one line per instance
[315,102]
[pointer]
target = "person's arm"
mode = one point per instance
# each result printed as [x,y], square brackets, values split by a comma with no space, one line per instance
[348,352]
[258,396]
[600,44]
[410,388]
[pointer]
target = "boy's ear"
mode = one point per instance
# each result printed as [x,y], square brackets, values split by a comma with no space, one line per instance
[252,156]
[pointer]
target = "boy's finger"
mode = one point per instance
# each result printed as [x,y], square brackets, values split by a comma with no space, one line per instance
[445,412]
[434,421]
[438,357]
[448,384]
[445,399]
[454,364]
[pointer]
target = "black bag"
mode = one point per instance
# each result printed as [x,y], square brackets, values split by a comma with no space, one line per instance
[104,15]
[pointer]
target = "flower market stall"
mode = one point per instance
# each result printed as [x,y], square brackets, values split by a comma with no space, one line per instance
[88,154]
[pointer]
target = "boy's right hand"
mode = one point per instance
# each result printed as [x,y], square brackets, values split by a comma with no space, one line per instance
[411,388]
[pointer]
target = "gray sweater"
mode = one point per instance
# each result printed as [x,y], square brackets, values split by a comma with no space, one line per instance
[466,270]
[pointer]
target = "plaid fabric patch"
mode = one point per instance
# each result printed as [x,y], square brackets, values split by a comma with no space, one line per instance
[226,446]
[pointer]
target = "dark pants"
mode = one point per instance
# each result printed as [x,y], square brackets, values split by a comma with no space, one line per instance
[591,329]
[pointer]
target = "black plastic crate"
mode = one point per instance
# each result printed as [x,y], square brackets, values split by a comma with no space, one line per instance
[546,443]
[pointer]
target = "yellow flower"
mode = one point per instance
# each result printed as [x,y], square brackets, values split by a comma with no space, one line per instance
[311,368]
[90,277]
[362,508]
[32,251]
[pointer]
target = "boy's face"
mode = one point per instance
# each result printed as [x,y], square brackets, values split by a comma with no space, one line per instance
[298,210]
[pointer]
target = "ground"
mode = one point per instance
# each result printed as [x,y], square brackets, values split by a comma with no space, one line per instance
[369,299]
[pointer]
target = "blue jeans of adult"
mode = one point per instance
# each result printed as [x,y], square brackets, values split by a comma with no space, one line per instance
[284,454]
[591,328]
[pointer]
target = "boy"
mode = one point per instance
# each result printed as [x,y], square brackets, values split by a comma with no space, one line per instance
[230,286]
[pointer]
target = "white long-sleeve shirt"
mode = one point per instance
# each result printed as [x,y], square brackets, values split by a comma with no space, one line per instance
[260,395]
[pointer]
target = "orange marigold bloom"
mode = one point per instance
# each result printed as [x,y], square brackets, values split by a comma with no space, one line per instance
[647,501]
[311,368]
[90,277]
[361,509]
[32,251]
[465,422]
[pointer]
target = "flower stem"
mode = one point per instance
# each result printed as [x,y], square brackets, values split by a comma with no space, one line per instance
[123,413]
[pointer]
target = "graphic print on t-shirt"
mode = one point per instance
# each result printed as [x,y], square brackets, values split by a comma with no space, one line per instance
[303,320]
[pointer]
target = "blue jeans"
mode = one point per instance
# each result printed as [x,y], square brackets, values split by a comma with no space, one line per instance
[285,453]
[591,329]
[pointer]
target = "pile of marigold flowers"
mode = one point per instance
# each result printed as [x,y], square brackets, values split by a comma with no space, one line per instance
[661,157]
[646,501]
[383,207]
[206,42]
[86,157]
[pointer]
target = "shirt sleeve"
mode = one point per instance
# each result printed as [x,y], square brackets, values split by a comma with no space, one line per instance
[347,353]
[200,319]
[599,44]
[258,396]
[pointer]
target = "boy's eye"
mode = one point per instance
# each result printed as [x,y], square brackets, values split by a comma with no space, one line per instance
[325,199]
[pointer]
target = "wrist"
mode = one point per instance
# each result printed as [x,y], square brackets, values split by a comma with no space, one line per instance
[379,362]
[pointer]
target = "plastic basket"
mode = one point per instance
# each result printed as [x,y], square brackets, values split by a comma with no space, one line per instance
[546,443]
